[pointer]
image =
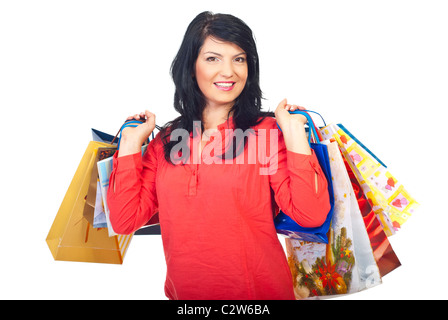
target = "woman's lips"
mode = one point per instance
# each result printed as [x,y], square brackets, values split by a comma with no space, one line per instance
[225,85]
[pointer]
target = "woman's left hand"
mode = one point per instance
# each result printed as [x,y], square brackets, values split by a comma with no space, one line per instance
[286,120]
[293,128]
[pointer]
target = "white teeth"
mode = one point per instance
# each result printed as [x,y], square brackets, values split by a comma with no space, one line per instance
[222,84]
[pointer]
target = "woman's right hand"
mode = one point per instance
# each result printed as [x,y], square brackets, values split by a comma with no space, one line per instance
[132,138]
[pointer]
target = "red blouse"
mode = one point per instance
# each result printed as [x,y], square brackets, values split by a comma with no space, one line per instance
[216,219]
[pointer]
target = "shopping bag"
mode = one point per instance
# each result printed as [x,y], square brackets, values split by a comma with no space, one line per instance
[93,209]
[385,257]
[101,136]
[104,171]
[71,238]
[344,265]
[152,227]
[390,200]
[287,226]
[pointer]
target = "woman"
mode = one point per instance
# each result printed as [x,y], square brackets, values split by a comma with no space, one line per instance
[216,216]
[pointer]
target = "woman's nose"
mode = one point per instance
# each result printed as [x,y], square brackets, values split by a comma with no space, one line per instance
[227,70]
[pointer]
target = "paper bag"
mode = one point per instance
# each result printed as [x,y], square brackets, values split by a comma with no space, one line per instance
[71,238]
[346,264]
[390,200]
[93,209]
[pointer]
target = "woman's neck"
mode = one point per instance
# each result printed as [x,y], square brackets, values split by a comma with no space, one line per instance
[212,116]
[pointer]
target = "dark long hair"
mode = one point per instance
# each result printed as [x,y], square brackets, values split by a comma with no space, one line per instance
[188,98]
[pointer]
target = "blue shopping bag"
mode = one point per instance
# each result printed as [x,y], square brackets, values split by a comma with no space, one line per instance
[288,227]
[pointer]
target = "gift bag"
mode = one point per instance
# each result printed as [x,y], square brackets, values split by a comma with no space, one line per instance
[346,264]
[71,238]
[385,257]
[287,226]
[101,136]
[391,202]
[93,209]
[104,171]
[152,227]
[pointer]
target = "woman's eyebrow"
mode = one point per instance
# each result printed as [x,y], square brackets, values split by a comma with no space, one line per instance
[239,54]
[220,55]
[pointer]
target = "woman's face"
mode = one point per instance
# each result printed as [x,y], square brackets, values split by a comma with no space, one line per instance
[221,72]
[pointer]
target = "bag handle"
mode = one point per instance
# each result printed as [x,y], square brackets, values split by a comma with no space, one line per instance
[319,135]
[323,120]
[131,123]
[311,125]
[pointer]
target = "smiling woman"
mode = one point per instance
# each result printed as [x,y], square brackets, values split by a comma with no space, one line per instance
[221,74]
[216,217]
[221,66]
[216,48]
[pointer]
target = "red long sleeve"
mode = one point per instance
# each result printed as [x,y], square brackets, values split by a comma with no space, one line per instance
[132,198]
[216,218]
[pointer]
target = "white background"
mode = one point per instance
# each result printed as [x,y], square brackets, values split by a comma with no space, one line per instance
[379,67]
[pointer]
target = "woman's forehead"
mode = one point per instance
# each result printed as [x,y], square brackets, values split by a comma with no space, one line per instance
[215,45]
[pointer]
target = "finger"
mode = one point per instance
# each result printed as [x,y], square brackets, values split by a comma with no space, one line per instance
[150,117]
[136,116]
[281,106]
[149,114]
[294,107]
[283,103]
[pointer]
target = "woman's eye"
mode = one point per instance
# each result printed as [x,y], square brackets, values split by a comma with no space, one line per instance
[240,59]
[211,59]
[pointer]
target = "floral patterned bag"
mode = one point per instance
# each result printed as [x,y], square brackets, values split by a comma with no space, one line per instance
[347,263]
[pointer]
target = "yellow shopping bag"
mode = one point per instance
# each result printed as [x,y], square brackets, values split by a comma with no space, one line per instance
[391,202]
[71,238]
